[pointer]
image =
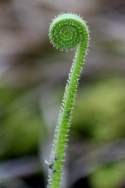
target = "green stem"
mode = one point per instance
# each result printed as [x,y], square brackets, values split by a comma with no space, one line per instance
[64,120]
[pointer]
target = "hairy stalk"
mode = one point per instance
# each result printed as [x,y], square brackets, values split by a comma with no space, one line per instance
[66,31]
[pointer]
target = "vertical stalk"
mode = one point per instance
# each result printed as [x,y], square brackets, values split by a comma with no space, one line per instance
[61,136]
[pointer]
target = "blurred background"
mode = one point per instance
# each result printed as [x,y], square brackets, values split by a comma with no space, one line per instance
[32,80]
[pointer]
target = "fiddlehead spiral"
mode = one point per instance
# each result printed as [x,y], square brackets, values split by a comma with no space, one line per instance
[65,32]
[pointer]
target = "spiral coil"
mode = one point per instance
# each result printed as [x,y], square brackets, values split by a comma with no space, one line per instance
[67,30]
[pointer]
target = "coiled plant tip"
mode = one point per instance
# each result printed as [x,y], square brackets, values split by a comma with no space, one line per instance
[67,31]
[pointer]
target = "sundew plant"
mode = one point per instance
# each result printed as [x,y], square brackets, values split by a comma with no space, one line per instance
[67,31]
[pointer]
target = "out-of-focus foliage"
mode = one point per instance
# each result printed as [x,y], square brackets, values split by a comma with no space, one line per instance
[20,123]
[99,113]
[110,176]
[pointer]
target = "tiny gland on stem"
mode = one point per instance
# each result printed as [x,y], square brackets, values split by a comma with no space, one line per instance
[66,31]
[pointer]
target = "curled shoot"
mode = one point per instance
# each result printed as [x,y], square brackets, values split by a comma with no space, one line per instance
[67,31]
